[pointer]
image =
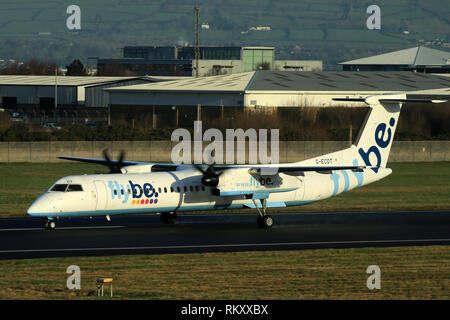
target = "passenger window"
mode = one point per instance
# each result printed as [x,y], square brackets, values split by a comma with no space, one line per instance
[190,188]
[185,189]
[165,190]
[196,188]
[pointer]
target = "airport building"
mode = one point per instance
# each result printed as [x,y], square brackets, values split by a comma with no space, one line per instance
[78,98]
[180,61]
[418,59]
[264,91]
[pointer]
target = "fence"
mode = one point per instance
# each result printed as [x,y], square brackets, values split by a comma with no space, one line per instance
[160,151]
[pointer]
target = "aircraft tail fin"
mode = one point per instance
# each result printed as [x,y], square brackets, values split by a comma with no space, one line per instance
[374,140]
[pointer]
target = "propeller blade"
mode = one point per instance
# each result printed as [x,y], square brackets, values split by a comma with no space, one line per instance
[121,157]
[210,177]
[106,156]
[196,166]
[114,166]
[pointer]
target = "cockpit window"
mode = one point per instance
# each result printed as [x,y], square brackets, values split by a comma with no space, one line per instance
[67,187]
[59,187]
[74,187]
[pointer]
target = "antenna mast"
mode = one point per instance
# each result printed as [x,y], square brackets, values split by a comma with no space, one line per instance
[197,39]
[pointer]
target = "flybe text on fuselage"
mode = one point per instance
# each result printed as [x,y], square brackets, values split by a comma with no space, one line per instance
[144,193]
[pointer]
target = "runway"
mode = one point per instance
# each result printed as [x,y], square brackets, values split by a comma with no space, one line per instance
[27,238]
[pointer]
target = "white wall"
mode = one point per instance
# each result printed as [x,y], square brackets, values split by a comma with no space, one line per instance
[177,99]
[302,99]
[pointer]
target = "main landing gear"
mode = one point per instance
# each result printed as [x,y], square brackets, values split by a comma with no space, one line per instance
[264,220]
[50,224]
[169,217]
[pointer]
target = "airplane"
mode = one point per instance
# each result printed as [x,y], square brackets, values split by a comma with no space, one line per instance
[167,189]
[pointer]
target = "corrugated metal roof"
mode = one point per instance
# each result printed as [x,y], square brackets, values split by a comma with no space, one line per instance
[418,56]
[62,80]
[232,83]
[294,81]
[345,81]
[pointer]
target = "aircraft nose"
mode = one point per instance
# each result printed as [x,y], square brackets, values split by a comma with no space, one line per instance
[41,207]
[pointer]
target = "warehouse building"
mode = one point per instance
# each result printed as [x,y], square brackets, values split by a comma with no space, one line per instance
[180,61]
[78,98]
[263,91]
[418,59]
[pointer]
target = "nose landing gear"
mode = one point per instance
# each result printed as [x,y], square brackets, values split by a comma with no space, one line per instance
[50,224]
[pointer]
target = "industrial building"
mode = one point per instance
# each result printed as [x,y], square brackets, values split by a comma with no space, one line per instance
[263,90]
[180,61]
[418,59]
[78,98]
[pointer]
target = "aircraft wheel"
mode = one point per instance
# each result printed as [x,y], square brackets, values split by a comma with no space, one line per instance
[49,224]
[169,217]
[265,222]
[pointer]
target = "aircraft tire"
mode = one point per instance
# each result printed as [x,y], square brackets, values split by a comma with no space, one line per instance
[168,217]
[50,225]
[265,222]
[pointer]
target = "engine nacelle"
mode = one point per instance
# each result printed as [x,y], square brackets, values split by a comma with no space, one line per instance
[138,168]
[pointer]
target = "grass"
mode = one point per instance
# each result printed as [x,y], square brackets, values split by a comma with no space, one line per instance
[411,186]
[406,273]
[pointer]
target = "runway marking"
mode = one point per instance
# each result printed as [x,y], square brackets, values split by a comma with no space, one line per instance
[63,228]
[278,244]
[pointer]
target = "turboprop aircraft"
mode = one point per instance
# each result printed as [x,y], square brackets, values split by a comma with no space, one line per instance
[138,187]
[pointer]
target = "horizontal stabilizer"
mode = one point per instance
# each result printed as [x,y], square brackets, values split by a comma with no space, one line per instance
[391,100]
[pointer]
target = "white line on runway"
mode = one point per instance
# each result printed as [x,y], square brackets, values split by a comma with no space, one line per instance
[277,244]
[64,228]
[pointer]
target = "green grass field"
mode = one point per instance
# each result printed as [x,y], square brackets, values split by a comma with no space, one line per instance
[406,273]
[411,186]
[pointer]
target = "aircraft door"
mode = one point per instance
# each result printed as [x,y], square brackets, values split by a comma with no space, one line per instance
[102,195]
[300,192]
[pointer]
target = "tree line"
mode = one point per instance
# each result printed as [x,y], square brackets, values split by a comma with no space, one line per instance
[75,68]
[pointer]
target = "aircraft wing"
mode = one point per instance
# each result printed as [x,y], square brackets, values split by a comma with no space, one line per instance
[255,169]
[104,162]
[293,169]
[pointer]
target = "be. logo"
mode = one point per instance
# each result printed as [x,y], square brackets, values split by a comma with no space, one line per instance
[381,142]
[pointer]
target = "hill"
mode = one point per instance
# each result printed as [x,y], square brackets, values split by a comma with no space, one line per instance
[332,31]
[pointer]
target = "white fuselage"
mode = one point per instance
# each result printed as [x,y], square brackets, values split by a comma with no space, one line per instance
[176,191]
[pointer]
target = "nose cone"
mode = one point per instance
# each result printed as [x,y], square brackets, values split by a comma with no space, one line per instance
[41,207]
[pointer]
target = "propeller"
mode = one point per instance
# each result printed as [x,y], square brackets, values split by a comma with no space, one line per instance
[210,177]
[114,166]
